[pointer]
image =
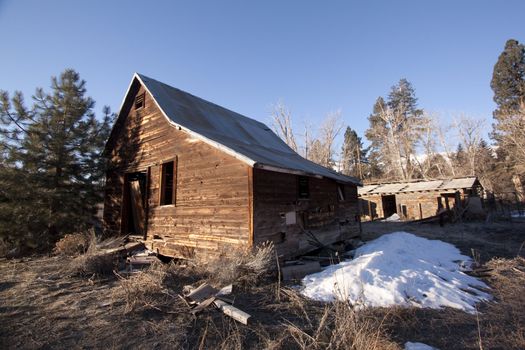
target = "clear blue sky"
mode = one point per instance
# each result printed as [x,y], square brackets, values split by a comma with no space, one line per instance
[317,56]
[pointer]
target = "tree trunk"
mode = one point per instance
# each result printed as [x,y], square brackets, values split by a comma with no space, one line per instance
[518,185]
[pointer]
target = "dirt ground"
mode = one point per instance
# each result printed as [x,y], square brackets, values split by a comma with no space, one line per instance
[41,307]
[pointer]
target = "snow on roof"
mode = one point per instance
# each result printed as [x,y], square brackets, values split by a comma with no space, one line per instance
[246,139]
[434,185]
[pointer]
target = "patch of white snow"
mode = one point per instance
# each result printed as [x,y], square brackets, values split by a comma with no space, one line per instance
[418,346]
[392,218]
[399,269]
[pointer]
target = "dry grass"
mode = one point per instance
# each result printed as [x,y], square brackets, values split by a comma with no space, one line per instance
[145,289]
[334,326]
[240,265]
[4,248]
[92,262]
[41,308]
[75,243]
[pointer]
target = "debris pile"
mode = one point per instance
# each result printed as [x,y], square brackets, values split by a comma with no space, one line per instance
[205,296]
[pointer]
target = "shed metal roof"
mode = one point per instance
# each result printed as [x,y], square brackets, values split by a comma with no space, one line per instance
[246,139]
[416,186]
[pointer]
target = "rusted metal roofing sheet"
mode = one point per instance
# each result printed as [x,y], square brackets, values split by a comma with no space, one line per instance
[434,185]
[247,139]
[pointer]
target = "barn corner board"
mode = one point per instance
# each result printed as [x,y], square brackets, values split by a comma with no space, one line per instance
[193,178]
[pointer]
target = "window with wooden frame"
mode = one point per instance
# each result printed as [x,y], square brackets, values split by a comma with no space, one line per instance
[168,182]
[140,101]
[303,187]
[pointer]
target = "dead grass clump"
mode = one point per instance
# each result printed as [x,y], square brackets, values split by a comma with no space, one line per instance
[342,327]
[244,266]
[4,248]
[145,289]
[92,261]
[74,244]
[503,322]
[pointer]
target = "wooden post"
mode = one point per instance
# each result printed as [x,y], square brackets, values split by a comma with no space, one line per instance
[420,211]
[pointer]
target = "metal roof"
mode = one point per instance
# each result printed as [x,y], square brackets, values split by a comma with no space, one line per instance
[417,186]
[246,139]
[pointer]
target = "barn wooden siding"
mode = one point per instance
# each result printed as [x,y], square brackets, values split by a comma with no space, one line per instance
[212,212]
[411,205]
[323,216]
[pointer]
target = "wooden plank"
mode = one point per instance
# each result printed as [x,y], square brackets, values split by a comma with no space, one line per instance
[202,292]
[232,311]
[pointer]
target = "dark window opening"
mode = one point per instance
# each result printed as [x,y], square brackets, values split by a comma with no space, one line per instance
[341,192]
[168,183]
[140,100]
[304,188]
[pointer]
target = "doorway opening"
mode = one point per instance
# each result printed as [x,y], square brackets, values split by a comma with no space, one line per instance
[134,204]
[389,205]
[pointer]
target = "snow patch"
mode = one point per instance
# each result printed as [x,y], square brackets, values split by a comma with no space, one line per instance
[418,346]
[392,218]
[400,269]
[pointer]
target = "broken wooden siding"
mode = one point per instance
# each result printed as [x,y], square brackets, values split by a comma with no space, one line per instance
[211,212]
[411,205]
[321,217]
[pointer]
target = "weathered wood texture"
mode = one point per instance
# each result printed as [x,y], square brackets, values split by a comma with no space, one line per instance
[412,205]
[322,218]
[212,210]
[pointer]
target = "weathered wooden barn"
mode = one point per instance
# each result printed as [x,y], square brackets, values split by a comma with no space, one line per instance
[419,199]
[194,178]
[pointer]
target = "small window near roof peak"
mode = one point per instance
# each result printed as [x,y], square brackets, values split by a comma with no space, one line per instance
[140,100]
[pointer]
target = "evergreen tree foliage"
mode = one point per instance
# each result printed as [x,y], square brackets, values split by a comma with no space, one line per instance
[508,78]
[352,154]
[375,132]
[402,99]
[395,127]
[508,84]
[51,170]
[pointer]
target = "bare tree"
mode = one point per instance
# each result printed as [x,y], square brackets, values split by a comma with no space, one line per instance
[469,131]
[282,124]
[329,130]
[398,137]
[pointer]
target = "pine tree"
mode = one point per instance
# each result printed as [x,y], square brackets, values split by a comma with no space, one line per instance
[508,78]
[395,128]
[375,134]
[508,84]
[352,154]
[402,99]
[55,147]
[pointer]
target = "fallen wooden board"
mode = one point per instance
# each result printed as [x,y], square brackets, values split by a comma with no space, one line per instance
[201,293]
[232,311]
[296,272]
[203,305]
